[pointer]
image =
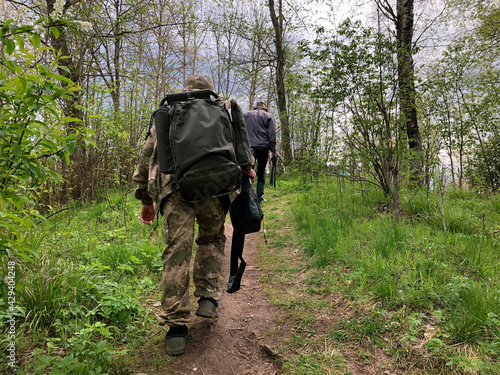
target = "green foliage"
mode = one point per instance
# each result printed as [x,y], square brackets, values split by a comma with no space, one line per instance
[485,167]
[462,210]
[116,303]
[119,135]
[60,291]
[312,127]
[51,290]
[32,135]
[459,105]
[365,326]
[79,303]
[323,226]
[474,316]
[87,352]
[355,79]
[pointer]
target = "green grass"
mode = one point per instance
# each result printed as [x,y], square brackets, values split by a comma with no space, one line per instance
[424,289]
[423,263]
[348,279]
[87,292]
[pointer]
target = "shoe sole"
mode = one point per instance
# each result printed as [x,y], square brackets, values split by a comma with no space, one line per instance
[206,314]
[176,353]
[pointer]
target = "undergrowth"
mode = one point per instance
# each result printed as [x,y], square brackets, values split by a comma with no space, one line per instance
[83,303]
[424,288]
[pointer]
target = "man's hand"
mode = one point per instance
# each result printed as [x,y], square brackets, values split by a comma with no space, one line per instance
[250,172]
[147,215]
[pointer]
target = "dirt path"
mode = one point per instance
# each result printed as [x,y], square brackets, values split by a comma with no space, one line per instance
[238,341]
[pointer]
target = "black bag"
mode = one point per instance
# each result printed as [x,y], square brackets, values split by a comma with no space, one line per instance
[245,210]
[246,217]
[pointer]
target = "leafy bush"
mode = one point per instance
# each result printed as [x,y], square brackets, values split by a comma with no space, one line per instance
[33,135]
[89,351]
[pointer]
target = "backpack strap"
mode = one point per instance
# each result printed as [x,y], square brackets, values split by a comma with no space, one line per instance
[242,146]
[151,120]
[188,95]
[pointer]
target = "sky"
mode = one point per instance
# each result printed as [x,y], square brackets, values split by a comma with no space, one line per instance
[331,13]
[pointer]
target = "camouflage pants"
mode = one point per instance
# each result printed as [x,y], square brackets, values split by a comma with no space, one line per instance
[178,233]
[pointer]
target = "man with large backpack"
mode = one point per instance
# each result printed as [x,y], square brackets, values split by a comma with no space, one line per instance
[192,160]
[261,127]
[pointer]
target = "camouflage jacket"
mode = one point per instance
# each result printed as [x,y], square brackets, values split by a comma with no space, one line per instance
[151,184]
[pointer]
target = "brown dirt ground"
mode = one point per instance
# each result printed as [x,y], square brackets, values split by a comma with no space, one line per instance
[238,341]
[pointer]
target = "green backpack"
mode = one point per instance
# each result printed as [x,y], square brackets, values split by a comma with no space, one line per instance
[200,145]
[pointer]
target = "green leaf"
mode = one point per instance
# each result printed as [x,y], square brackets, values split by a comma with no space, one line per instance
[54,31]
[59,77]
[24,256]
[17,150]
[71,119]
[11,65]
[36,40]
[36,172]
[37,106]
[20,42]
[55,176]
[12,228]
[12,27]
[11,46]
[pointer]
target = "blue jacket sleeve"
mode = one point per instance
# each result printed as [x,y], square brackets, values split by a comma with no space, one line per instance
[271,133]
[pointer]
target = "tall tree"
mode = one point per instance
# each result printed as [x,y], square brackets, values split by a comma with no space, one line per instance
[60,41]
[225,26]
[254,66]
[73,53]
[403,20]
[277,20]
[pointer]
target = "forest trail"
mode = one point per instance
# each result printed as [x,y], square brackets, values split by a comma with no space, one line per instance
[238,341]
[241,340]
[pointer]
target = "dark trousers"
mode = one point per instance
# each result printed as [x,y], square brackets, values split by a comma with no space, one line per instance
[261,154]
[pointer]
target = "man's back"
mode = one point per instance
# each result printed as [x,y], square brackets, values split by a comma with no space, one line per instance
[261,128]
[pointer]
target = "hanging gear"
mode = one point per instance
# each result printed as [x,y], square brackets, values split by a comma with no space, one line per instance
[246,217]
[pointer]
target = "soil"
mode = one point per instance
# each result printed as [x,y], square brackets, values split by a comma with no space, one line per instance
[238,342]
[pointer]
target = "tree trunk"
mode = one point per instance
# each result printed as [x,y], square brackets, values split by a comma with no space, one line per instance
[115,90]
[280,79]
[406,81]
[73,174]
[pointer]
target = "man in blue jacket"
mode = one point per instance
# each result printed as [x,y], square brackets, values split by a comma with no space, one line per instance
[261,127]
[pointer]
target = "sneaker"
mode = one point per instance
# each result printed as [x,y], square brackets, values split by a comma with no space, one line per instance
[207,308]
[176,339]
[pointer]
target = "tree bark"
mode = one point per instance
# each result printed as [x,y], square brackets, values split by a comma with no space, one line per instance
[280,78]
[115,90]
[406,81]
[73,174]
